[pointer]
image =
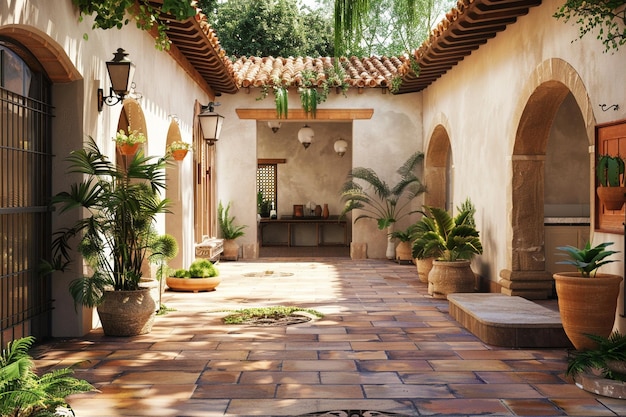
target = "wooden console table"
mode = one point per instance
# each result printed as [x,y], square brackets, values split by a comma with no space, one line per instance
[291,223]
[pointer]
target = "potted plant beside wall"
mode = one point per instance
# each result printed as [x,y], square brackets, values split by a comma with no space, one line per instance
[128,143]
[454,241]
[610,174]
[230,232]
[379,201]
[587,299]
[114,237]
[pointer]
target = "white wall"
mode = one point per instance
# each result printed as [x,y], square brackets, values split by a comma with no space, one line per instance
[165,88]
[382,143]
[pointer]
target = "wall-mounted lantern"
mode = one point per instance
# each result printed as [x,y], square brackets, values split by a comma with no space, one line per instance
[211,123]
[121,72]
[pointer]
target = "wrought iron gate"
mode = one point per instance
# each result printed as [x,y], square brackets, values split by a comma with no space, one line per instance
[25,170]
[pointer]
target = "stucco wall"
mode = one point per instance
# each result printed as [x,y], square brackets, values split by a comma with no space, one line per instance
[165,89]
[480,102]
[382,143]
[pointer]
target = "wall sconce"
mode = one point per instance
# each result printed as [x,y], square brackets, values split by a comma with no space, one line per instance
[274,125]
[341,146]
[305,136]
[211,123]
[121,72]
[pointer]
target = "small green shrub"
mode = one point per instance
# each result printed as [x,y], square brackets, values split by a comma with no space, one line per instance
[202,268]
[181,273]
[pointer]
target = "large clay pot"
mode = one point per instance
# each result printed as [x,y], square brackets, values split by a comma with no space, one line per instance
[423,268]
[231,250]
[612,197]
[587,306]
[403,251]
[193,284]
[450,277]
[127,313]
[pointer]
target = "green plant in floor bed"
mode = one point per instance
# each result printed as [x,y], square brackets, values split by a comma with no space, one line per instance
[276,312]
[609,349]
[25,394]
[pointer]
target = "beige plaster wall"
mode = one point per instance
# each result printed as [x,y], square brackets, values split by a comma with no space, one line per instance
[482,99]
[382,143]
[164,88]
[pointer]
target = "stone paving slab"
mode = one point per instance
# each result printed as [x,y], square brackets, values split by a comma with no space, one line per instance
[384,345]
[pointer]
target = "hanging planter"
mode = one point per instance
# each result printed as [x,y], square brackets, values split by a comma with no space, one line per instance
[129,143]
[610,175]
[178,149]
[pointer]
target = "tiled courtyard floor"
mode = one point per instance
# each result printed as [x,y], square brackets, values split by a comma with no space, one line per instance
[382,345]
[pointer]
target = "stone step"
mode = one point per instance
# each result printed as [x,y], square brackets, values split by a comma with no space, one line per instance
[508,321]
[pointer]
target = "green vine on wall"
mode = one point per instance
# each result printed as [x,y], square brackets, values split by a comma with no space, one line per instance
[608,16]
[110,14]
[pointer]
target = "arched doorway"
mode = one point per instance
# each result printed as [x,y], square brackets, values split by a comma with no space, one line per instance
[438,167]
[548,89]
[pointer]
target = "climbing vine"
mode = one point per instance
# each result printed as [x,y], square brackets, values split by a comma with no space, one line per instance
[110,14]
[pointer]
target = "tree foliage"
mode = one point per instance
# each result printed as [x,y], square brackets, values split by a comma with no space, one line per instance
[269,28]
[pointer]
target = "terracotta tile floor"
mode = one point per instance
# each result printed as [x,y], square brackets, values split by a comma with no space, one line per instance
[382,345]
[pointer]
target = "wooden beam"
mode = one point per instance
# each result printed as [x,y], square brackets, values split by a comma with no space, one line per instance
[271,161]
[299,114]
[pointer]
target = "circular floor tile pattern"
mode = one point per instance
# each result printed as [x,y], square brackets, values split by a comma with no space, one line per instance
[353,413]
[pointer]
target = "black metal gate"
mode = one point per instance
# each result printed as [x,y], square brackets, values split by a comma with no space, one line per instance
[25,170]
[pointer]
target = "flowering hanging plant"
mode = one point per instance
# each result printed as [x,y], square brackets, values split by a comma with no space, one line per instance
[121,138]
[178,145]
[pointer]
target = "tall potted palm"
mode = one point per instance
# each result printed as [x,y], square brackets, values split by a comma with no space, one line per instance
[587,299]
[114,238]
[377,200]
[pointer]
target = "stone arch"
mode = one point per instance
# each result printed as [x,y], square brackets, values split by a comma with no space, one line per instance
[437,168]
[540,100]
[55,62]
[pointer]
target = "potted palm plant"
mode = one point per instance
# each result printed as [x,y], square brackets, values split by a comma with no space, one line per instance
[202,275]
[378,200]
[453,242]
[114,237]
[610,175]
[587,299]
[230,232]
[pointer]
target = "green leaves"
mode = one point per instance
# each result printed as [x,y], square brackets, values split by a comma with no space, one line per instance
[379,201]
[587,260]
[610,171]
[227,224]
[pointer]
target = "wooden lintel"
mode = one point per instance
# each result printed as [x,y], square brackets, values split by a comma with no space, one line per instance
[262,161]
[299,114]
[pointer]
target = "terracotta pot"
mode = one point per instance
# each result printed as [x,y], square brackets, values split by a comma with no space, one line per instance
[179,154]
[231,250]
[450,277]
[127,313]
[587,305]
[126,149]
[193,284]
[404,251]
[612,197]
[423,268]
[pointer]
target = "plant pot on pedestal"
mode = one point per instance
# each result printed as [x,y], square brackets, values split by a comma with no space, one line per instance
[450,277]
[127,313]
[587,305]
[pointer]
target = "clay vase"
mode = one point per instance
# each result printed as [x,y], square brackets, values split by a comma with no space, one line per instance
[128,150]
[231,250]
[450,277]
[325,212]
[587,306]
[423,268]
[318,211]
[127,313]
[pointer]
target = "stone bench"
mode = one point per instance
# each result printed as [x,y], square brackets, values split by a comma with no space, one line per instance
[508,321]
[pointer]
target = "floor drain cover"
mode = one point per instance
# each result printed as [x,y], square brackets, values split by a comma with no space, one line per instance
[353,413]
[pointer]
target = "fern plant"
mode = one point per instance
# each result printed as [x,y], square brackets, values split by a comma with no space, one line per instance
[227,223]
[609,349]
[23,393]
